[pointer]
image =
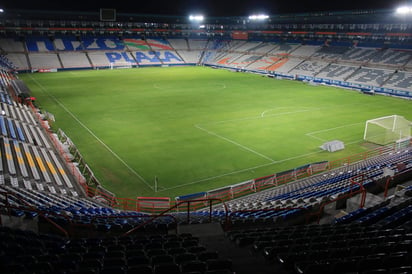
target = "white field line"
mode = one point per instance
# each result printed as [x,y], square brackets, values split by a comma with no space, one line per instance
[91,133]
[311,134]
[314,137]
[240,171]
[220,86]
[263,165]
[262,115]
[217,176]
[272,162]
[233,142]
[247,169]
[354,142]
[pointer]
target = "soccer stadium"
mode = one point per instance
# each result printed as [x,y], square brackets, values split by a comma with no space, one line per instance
[135,143]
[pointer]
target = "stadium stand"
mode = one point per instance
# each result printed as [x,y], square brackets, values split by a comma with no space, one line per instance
[179,44]
[147,58]
[335,71]
[285,48]
[330,52]
[409,65]
[11,45]
[39,44]
[391,57]
[309,68]
[376,77]
[19,60]
[369,240]
[305,51]
[337,61]
[263,48]
[190,57]
[44,61]
[344,218]
[197,44]
[74,60]
[66,43]
[99,59]
[105,43]
[358,55]
[317,189]
[286,64]
[400,80]
[159,44]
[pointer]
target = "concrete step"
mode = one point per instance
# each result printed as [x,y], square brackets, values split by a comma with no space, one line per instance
[244,260]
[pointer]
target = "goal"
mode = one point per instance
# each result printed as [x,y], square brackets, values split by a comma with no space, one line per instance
[386,130]
[120,65]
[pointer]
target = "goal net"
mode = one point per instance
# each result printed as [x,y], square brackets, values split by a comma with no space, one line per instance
[120,65]
[388,129]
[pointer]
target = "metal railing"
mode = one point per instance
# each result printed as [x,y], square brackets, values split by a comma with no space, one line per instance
[188,209]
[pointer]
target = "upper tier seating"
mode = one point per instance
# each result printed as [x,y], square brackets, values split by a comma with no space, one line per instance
[11,45]
[337,61]
[309,68]
[330,52]
[305,51]
[197,44]
[391,57]
[358,55]
[179,44]
[338,72]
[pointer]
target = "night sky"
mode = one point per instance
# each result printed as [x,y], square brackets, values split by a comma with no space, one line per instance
[206,7]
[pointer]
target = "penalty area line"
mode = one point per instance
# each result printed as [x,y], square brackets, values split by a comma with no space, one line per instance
[90,132]
[239,171]
[246,169]
[233,142]
[311,134]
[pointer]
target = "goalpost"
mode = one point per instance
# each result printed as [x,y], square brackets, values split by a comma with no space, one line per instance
[120,65]
[386,130]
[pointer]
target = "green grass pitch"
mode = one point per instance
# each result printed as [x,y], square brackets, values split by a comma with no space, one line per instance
[198,128]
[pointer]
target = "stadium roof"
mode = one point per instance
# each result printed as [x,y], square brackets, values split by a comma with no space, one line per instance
[212,8]
[370,16]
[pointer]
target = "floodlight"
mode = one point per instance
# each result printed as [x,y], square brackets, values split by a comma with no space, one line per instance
[1,10]
[404,10]
[197,18]
[258,17]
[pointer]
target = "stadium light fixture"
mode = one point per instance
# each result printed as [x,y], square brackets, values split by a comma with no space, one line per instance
[404,10]
[258,17]
[196,18]
[1,10]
